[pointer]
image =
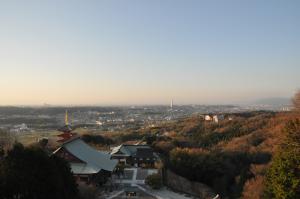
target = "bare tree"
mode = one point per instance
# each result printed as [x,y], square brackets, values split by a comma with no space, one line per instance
[296,101]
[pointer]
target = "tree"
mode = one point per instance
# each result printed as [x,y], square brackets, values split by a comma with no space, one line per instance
[2,153]
[87,191]
[6,140]
[296,101]
[154,181]
[283,177]
[29,173]
[120,169]
[97,139]
[150,139]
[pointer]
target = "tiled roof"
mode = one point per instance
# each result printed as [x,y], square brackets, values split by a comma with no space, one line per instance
[95,160]
[133,150]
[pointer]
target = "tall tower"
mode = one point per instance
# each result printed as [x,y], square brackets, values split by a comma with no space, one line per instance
[171,105]
[66,118]
[66,130]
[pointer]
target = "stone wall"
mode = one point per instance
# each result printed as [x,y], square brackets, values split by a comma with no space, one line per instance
[182,184]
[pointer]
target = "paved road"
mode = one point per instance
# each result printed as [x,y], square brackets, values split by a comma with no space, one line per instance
[163,193]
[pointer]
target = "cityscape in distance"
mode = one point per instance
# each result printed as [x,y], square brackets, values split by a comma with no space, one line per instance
[152,99]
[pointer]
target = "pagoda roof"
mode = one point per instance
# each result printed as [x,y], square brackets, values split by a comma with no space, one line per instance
[66,128]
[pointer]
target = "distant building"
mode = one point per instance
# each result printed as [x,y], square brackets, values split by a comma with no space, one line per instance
[23,127]
[87,164]
[20,128]
[207,118]
[135,155]
[217,118]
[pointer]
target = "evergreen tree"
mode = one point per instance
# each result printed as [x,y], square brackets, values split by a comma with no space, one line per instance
[29,173]
[283,177]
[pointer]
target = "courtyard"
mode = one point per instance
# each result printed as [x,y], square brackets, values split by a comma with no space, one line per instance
[134,178]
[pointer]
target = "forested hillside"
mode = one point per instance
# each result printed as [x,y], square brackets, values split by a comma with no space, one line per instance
[232,156]
[238,157]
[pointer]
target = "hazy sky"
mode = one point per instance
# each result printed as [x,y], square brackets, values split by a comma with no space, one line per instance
[148,52]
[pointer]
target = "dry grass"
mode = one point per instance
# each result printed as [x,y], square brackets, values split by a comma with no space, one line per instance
[253,188]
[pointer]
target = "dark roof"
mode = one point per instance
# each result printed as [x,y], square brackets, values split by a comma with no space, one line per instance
[95,160]
[134,150]
[144,153]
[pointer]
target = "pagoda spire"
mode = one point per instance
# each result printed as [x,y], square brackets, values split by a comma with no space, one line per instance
[66,130]
[66,118]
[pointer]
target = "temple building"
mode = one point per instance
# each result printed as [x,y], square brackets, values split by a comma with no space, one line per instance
[135,155]
[87,164]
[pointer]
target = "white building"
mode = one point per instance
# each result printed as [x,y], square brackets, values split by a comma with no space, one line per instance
[217,118]
[208,118]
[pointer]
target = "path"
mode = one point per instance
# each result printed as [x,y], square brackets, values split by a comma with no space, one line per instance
[138,180]
[133,180]
[163,193]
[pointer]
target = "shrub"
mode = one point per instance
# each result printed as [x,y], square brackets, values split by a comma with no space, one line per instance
[97,139]
[154,181]
[253,188]
[87,191]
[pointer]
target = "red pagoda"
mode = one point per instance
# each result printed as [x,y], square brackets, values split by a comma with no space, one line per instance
[66,130]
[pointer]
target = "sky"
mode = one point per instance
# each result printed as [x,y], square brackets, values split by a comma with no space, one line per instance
[127,52]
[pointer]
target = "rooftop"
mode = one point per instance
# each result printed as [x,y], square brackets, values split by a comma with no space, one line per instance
[94,160]
[133,150]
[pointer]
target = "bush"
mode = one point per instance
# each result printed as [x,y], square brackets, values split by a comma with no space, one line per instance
[283,179]
[150,139]
[120,169]
[87,191]
[225,172]
[154,181]
[124,137]
[97,139]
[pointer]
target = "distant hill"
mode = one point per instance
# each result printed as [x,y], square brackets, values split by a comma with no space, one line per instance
[273,101]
